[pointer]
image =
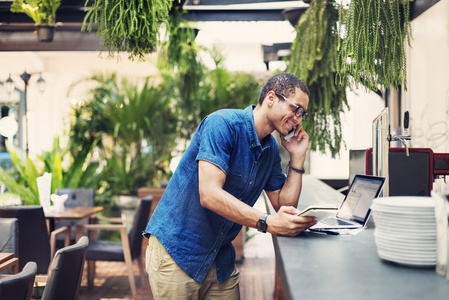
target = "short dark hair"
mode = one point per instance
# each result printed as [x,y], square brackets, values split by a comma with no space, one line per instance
[283,83]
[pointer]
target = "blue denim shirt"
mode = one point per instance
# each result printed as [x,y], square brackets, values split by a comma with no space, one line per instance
[196,237]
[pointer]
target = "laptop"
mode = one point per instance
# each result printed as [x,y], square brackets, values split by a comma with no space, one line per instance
[355,210]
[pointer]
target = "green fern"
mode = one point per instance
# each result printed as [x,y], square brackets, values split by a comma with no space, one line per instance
[127,25]
[314,60]
[372,51]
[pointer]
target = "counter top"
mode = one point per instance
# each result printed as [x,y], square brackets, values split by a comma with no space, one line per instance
[319,266]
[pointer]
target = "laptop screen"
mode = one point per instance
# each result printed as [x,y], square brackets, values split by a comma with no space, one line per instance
[363,190]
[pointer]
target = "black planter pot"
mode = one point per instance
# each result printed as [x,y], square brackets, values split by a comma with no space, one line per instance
[293,14]
[45,33]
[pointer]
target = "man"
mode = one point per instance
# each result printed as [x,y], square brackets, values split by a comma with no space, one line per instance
[230,160]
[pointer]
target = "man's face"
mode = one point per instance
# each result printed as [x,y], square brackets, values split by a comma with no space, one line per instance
[290,111]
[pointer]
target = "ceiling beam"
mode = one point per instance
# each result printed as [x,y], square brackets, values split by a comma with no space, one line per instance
[189,3]
[417,7]
[238,15]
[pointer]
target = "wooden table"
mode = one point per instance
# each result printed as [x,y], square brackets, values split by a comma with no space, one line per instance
[71,213]
[7,260]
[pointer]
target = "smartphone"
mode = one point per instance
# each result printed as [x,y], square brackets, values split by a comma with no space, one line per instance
[319,211]
[289,135]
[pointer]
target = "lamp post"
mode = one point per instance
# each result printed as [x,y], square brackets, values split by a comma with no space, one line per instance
[10,87]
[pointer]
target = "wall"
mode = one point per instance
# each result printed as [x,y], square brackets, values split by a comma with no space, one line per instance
[427,97]
[356,130]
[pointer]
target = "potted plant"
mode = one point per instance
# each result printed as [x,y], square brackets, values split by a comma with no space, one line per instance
[127,25]
[136,128]
[43,13]
[372,51]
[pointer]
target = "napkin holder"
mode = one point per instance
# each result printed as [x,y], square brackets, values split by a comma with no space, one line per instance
[44,189]
[58,202]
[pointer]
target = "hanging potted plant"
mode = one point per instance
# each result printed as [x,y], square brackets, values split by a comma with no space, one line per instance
[314,60]
[130,26]
[43,13]
[372,50]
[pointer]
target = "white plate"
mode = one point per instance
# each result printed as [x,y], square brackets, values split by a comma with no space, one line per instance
[406,239]
[403,220]
[404,231]
[405,225]
[405,217]
[406,261]
[401,255]
[406,201]
[422,249]
[404,211]
[415,222]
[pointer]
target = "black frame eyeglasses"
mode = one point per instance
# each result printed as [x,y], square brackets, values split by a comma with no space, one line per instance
[299,110]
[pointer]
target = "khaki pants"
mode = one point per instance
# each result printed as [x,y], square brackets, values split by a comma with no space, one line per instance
[169,281]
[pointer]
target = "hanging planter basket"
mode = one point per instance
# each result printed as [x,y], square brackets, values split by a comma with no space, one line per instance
[45,33]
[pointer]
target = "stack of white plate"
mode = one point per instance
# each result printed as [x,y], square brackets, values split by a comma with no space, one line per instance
[405,230]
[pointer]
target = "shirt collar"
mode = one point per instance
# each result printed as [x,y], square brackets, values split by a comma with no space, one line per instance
[253,139]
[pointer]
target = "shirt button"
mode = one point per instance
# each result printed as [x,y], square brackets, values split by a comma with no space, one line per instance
[255,162]
[250,182]
[215,250]
[218,269]
[221,233]
[252,145]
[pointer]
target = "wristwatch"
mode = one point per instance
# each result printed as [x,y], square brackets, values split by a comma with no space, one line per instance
[262,223]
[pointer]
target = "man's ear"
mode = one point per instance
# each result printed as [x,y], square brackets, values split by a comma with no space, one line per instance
[270,98]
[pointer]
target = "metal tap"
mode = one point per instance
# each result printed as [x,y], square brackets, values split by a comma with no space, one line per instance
[403,138]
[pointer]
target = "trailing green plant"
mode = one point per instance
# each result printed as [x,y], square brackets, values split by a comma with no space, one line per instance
[183,72]
[196,90]
[374,37]
[127,25]
[41,11]
[314,60]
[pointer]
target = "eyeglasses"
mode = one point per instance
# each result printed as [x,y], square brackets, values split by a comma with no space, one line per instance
[299,110]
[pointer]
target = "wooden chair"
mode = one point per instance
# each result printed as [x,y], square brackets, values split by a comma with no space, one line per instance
[9,243]
[19,286]
[35,244]
[127,250]
[66,271]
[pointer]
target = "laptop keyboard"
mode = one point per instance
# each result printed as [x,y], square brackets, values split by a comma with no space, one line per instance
[334,222]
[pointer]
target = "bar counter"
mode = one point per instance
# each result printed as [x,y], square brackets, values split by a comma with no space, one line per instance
[320,266]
